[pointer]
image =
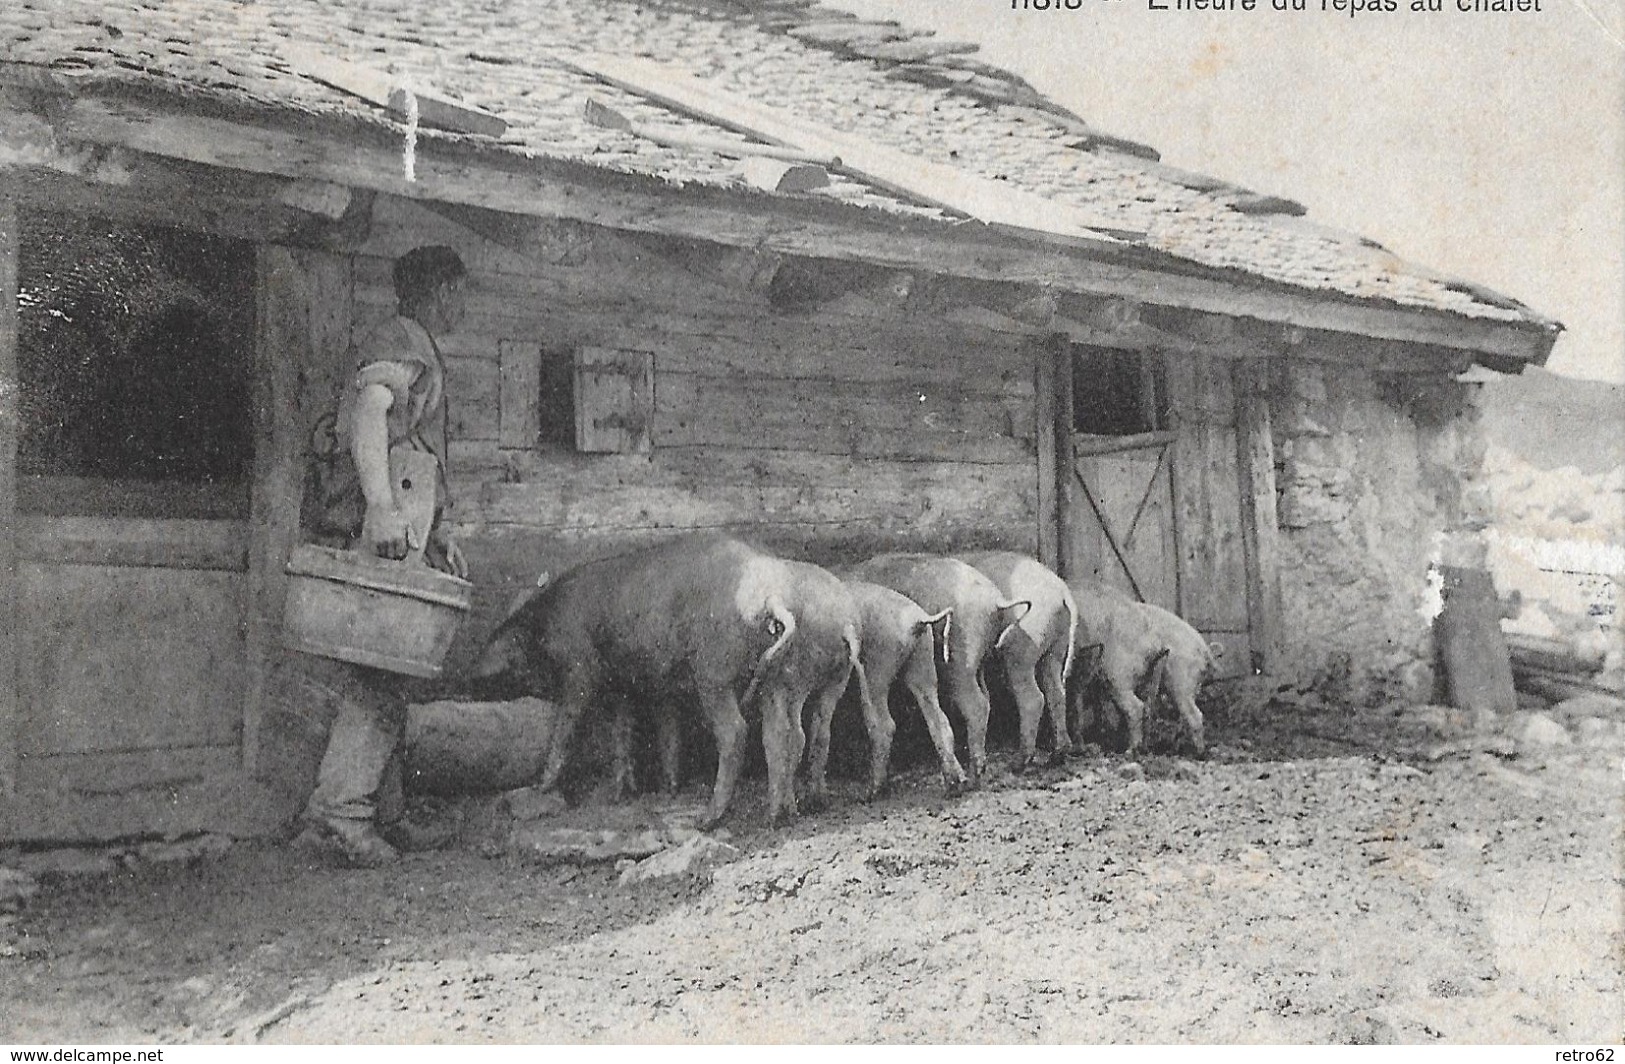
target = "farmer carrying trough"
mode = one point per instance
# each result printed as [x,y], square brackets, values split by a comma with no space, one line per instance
[389,430]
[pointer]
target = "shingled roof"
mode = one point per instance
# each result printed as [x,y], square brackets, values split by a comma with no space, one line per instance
[898,87]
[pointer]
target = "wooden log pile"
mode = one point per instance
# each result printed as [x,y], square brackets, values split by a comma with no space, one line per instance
[467,747]
[1556,670]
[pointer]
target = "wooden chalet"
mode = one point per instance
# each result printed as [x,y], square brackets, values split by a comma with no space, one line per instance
[759,266]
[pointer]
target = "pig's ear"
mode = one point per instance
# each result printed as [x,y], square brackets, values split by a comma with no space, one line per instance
[940,624]
[1009,614]
[522,597]
[504,654]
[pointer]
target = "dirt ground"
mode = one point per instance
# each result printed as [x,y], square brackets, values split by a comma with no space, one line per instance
[1326,875]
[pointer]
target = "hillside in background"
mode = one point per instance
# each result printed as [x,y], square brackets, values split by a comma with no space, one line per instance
[1555,473]
[1550,421]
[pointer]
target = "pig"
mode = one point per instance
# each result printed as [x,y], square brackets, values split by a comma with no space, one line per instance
[1036,652]
[898,643]
[706,620]
[1129,641]
[980,617]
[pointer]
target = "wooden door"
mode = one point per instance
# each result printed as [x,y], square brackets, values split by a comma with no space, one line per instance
[1154,501]
[1213,567]
[1116,464]
[129,523]
[1122,529]
[130,668]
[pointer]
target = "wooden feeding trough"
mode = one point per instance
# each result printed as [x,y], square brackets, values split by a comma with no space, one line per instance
[394,615]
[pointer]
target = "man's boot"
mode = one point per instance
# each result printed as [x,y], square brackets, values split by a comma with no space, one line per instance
[366,732]
[356,841]
[413,836]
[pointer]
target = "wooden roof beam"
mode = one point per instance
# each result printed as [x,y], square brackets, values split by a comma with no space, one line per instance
[382,89]
[234,204]
[366,158]
[911,176]
[604,116]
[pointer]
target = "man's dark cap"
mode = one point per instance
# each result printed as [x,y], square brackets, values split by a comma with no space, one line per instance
[420,271]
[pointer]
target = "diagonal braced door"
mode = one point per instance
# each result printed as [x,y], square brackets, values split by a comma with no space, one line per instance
[1123,530]
[1117,448]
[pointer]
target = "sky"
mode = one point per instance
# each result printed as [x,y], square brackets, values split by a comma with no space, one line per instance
[1489,145]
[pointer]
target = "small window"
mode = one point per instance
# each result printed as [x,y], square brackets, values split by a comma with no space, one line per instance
[1117,393]
[537,408]
[135,348]
[558,403]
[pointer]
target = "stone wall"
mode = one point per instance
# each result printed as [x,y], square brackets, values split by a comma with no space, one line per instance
[1374,473]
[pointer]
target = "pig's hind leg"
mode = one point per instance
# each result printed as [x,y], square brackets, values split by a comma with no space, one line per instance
[782,742]
[1019,657]
[823,703]
[623,770]
[721,709]
[669,739]
[960,691]
[1120,677]
[1182,686]
[579,690]
[919,676]
[1052,683]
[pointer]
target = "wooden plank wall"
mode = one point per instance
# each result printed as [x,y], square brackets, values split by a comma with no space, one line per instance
[1213,584]
[1067,517]
[828,435]
[98,637]
[125,677]
[10,711]
[303,320]
[1050,431]
[1260,526]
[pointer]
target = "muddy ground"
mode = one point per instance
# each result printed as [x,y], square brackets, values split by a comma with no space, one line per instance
[1328,874]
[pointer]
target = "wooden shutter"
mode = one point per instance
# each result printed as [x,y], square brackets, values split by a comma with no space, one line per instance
[614,397]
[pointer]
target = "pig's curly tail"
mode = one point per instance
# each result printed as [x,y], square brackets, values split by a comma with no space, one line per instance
[781,618]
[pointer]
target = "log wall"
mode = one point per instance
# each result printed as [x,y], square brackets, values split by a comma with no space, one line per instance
[867,425]
[829,435]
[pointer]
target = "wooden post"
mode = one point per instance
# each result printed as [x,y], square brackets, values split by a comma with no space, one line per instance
[1180,375]
[1256,468]
[10,410]
[1058,353]
[302,316]
[1049,459]
[1472,650]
